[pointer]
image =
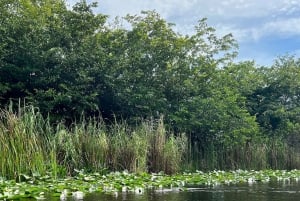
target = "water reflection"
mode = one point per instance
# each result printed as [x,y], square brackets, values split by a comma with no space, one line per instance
[276,191]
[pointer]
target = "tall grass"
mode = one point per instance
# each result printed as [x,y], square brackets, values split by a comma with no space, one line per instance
[21,147]
[166,151]
[148,148]
[272,153]
[30,144]
[94,144]
[128,148]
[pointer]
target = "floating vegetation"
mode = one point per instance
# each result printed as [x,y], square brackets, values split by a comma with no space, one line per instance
[117,182]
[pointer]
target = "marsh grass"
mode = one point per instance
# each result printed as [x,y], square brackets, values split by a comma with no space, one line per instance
[29,144]
[21,147]
[281,155]
[166,152]
[67,148]
[149,147]
[174,152]
[94,144]
[265,154]
[121,151]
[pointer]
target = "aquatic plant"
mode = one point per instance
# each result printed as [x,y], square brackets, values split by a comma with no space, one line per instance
[115,182]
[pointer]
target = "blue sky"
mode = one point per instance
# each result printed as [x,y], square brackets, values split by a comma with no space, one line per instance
[264,29]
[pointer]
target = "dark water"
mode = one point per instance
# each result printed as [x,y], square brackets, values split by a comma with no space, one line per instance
[254,192]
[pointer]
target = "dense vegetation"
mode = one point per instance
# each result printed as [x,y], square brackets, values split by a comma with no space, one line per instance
[94,92]
[29,144]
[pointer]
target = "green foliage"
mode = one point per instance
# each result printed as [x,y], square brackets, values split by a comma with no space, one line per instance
[276,101]
[71,63]
[47,62]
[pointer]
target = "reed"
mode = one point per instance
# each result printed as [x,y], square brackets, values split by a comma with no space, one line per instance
[121,154]
[94,144]
[21,144]
[166,151]
[30,144]
[272,153]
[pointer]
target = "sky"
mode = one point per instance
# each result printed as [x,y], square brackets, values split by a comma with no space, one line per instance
[264,29]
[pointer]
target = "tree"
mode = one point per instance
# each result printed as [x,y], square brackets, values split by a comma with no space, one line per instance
[276,101]
[67,82]
[149,64]
[68,61]
[51,54]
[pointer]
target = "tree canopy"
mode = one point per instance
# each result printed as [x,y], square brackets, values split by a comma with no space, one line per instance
[70,62]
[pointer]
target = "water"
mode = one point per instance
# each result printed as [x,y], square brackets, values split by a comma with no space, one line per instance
[243,192]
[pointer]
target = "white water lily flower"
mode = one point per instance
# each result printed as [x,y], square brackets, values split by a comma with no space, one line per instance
[64,194]
[78,195]
[124,189]
[251,180]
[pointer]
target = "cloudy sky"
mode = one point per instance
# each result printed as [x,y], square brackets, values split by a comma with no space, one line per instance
[264,29]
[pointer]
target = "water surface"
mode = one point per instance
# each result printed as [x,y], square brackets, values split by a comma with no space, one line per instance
[273,191]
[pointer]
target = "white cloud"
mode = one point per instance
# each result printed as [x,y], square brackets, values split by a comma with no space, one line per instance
[167,8]
[250,21]
[285,27]
[226,15]
[245,8]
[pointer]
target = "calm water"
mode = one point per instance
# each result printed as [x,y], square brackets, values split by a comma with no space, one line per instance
[245,192]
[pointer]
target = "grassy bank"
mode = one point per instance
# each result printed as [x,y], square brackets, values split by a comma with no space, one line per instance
[30,145]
